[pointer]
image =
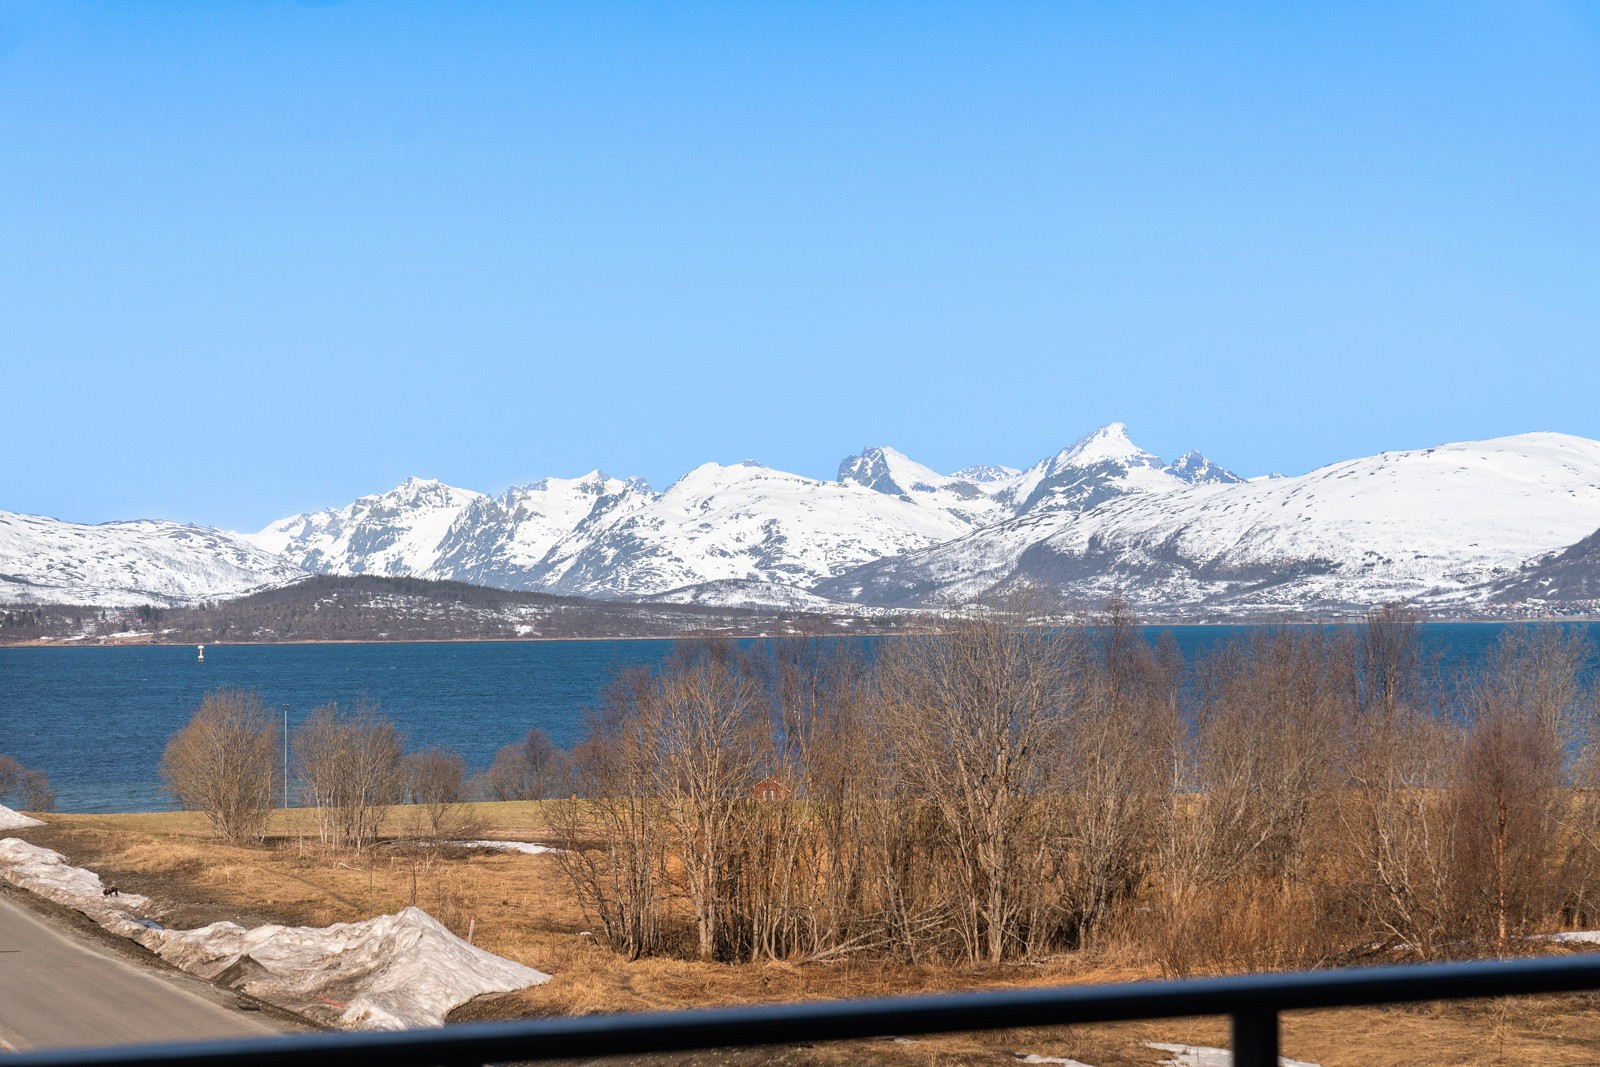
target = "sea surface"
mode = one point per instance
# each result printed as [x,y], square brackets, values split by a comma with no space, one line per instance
[96,719]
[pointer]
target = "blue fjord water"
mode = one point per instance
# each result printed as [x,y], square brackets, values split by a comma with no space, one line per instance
[96,719]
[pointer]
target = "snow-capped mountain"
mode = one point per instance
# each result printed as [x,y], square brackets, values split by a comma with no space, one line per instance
[892,473]
[395,533]
[1392,526]
[1101,466]
[127,564]
[508,541]
[1464,523]
[1193,467]
[740,522]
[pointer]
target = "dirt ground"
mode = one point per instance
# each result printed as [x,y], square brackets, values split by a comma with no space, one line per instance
[522,907]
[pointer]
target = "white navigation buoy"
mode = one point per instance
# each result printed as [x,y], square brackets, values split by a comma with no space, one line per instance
[202,657]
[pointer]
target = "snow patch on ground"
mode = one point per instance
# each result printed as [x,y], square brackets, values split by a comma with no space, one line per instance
[15,820]
[1033,1057]
[1202,1056]
[47,873]
[1573,937]
[525,847]
[388,973]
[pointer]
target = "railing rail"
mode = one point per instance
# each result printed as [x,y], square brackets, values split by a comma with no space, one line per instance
[1253,1002]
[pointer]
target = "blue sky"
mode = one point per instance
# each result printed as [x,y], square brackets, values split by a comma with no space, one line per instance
[261,257]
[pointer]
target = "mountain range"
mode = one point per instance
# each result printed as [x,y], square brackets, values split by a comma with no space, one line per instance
[1462,524]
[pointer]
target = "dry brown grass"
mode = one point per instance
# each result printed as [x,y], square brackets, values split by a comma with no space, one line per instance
[522,907]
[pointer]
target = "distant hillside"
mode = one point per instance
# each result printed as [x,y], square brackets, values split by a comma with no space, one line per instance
[372,608]
[1569,577]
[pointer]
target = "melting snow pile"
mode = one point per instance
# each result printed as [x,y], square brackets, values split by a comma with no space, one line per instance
[1034,1057]
[525,847]
[387,973]
[15,820]
[393,972]
[1201,1056]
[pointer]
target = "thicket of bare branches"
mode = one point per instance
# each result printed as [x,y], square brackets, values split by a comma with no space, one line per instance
[349,767]
[1002,791]
[222,764]
[25,788]
[437,787]
[530,769]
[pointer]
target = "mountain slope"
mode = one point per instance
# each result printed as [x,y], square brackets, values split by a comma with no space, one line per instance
[508,541]
[741,522]
[45,561]
[1389,526]
[892,473]
[398,533]
[1568,577]
[1101,466]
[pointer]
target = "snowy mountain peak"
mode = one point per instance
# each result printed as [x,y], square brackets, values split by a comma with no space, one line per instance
[887,470]
[1108,444]
[1102,464]
[891,472]
[984,474]
[1196,469]
[596,481]
[429,491]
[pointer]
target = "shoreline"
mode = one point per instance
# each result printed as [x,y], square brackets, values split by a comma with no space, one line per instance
[1585,620]
[86,643]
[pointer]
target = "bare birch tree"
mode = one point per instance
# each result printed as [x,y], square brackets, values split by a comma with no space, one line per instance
[974,713]
[221,763]
[612,840]
[350,767]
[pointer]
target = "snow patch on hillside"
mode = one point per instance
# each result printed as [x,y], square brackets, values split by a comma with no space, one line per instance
[747,594]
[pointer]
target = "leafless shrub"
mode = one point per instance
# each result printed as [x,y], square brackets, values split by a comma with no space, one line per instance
[708,713]
[1394,833]
[26,788]
[437,788]
[531,769]
[1505,822]
[1249,780]
[35,793]
[222,764]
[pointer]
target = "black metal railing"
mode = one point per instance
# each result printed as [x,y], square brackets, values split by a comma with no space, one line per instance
[1253,1002]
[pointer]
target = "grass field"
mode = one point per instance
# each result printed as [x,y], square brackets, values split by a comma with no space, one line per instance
[522,907]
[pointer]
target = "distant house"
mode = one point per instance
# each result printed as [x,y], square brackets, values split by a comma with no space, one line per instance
[771,788]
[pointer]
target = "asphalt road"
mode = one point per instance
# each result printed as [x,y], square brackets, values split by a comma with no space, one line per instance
[56,991]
